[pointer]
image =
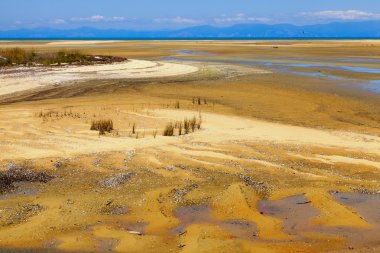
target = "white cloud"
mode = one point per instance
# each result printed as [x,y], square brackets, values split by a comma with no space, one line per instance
[178,20]
[342,15]
[99,18]
[58,21]
[118,19]
[240,18]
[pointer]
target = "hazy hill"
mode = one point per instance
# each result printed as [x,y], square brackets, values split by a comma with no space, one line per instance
[366,29]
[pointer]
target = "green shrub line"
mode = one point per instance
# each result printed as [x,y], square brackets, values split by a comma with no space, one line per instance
[19,56]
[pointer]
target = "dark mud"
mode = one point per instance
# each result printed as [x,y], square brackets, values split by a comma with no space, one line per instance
[16,174]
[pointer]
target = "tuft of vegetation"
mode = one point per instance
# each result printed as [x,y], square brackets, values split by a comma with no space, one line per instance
[179,128]
[193,123]
[198,101]
[134,128]
[184,127]
[169,130]
[102,126]
[52,114]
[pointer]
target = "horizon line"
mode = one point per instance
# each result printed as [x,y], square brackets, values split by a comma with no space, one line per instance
[189,27]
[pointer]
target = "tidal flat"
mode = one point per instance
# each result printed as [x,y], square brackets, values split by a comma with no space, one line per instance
[208,146]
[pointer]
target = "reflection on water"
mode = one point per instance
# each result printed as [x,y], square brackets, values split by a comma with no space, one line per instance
[358,60]
[297,214]
[368,205]
[295,211]
[191,52]
[310,74]
[373,86]
[291,68]
[201,214]
[280,64]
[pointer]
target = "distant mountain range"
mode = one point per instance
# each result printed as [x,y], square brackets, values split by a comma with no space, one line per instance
[365,29]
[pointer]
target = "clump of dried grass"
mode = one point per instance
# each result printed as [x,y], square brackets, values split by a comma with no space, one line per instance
[193,123]
[52,114]
[134,128]
[102,126]
[169,129]
[186,124]
[184,127]
[198,101]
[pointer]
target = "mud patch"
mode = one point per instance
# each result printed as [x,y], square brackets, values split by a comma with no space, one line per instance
[119,211]
[19,174]
[33,251]
[106,244]
[179,193]
[51,244]
[260,187]
[116,180]
[17,214]
[21,189]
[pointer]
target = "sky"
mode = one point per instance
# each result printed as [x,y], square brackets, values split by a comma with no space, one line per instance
[175,14]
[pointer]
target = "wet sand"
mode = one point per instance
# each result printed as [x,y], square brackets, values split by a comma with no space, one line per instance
[282,162]
[23,78]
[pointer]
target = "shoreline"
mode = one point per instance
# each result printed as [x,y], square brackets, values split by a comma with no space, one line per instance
[111,39]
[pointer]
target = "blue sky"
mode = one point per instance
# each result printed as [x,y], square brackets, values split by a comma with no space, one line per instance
[172,14]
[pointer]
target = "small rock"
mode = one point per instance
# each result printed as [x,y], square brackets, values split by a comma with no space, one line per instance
[134,232]
[182,233]
[58,165]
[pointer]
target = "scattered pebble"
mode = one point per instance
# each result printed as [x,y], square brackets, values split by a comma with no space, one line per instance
[116,180]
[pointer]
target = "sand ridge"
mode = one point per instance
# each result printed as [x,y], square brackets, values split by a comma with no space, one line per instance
[20,79]
[217,129]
